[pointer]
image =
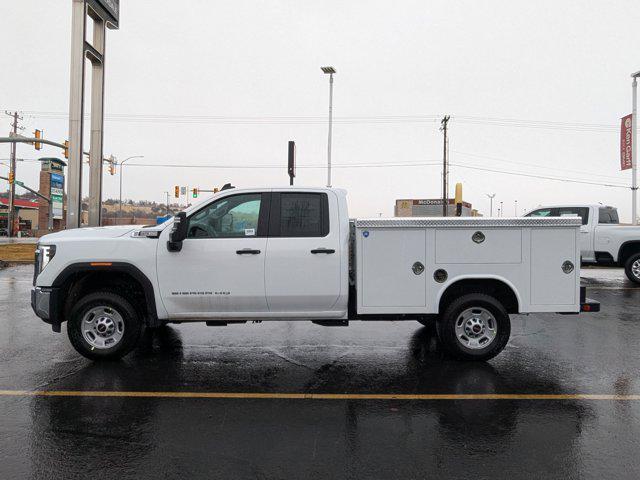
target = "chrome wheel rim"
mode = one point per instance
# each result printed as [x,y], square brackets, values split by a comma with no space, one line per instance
[635,268]
[102,327]
[476,328]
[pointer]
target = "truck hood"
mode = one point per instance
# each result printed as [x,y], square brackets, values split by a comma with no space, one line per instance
[89,233]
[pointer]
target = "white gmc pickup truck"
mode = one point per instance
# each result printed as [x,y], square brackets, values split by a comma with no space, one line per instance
[293,254]
[603,241]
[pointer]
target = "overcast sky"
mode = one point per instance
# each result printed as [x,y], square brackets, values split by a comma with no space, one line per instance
[216,83]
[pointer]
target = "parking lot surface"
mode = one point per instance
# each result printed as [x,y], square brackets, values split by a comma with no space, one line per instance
[240,428]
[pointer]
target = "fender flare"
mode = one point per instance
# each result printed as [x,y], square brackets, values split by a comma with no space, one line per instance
[498,278]
[621,248]
[116,267]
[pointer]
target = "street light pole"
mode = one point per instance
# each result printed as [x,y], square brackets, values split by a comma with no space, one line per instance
[491,196]
[121,172]
[516,208]
[634,148]
[330,71]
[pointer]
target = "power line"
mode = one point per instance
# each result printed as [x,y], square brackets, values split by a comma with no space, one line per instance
[497,159]
[312,120]
[544,177]
[382,165]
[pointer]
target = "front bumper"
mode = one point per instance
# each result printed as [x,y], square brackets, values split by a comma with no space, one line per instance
[43,303]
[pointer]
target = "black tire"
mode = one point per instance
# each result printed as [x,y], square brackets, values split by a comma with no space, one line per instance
[629,270]
[130,334]
[453,313]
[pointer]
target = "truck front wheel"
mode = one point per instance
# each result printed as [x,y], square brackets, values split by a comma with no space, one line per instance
[474,327]
[103,325]
[632,268]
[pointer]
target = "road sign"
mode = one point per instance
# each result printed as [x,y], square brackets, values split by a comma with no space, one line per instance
[56,195]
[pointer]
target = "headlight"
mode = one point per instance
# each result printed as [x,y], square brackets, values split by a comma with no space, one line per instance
[44,254]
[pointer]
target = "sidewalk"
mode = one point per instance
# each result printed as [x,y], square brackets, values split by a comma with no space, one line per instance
[7,240]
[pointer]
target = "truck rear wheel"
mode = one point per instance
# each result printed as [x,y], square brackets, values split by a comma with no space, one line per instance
[475,326]
[632,268]
[104,326]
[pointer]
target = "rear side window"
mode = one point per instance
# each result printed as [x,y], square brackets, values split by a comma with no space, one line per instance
[582,212]
[300,215]
[608,215]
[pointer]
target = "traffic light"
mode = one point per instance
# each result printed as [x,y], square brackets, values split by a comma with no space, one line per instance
[177,191]
[11,177]
[38,135]
[195,192]
[66,149]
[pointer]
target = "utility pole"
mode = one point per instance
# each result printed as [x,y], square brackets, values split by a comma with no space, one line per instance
[501,209]
[167,205]
[445,167]
[491,196]
[12,175]
[516,208]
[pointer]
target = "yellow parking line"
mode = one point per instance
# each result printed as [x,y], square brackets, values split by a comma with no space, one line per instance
[611,288]
[319,396]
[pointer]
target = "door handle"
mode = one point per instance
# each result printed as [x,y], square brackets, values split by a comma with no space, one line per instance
[323,250]
[247,251]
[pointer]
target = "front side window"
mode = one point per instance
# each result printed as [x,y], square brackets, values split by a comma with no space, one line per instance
[543,212]
[230,217]
[581,212]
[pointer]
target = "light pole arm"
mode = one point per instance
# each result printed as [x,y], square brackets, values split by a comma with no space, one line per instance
[28,188]
[121,172]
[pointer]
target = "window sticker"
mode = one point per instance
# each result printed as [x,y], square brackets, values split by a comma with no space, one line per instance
[249,232]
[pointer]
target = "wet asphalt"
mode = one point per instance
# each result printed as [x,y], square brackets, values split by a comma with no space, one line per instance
[127,438]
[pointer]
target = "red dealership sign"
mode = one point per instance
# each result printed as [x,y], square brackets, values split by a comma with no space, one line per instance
[626,139]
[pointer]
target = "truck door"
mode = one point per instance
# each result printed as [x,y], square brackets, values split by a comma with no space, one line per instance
[219,273]
[302,271]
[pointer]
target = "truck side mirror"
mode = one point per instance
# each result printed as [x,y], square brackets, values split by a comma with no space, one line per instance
[178,232]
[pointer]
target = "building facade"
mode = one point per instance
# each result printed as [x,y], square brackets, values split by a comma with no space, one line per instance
[430,207]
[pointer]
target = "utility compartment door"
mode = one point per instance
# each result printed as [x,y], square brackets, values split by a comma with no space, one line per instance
[550,286]
[456,245]
[386,275]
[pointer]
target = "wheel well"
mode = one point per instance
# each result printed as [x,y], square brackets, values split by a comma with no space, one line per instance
[496,288]
[626,250]
[84,282]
